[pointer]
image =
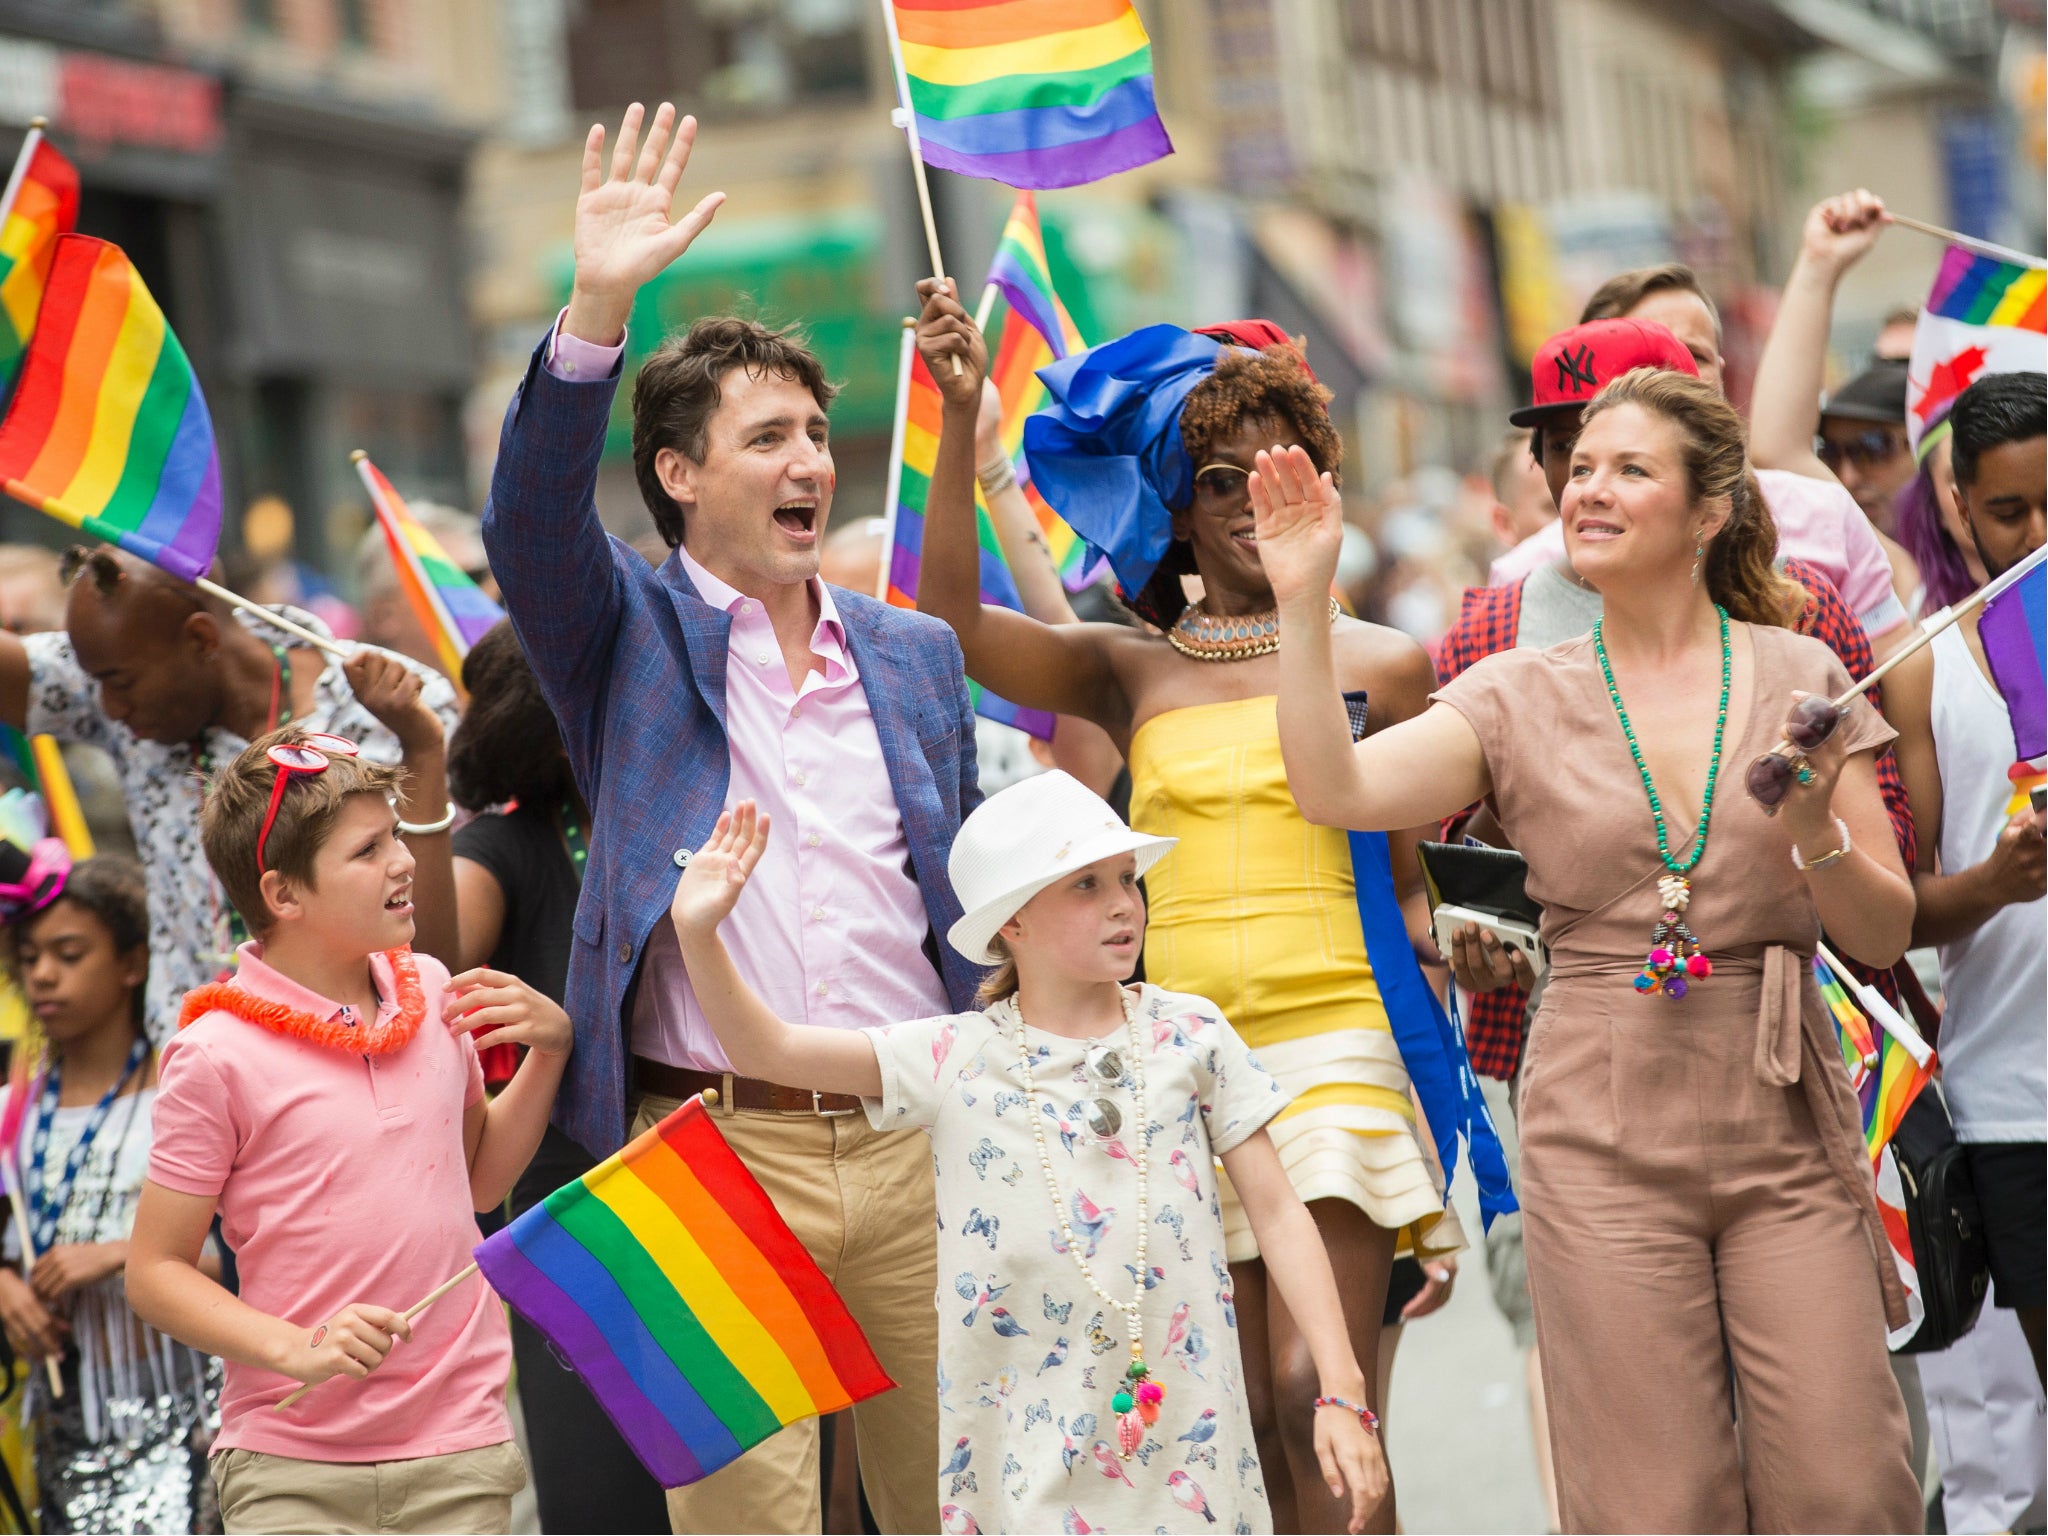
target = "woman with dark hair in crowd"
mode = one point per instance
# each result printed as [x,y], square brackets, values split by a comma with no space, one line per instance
[1260,911]
[124,1448]
[518,870]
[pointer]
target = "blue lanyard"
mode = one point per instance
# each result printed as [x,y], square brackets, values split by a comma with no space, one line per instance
[45,1208]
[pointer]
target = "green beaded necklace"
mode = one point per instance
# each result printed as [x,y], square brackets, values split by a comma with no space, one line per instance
[1675,954]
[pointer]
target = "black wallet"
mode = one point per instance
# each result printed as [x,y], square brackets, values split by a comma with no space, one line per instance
[1480,879]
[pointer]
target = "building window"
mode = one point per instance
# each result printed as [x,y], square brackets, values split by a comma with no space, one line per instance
[716,57]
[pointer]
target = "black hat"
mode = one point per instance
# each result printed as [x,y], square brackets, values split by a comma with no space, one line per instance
[1878,394]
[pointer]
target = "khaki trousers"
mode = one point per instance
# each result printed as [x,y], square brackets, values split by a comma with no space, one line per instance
[466,1491]
[861,1202]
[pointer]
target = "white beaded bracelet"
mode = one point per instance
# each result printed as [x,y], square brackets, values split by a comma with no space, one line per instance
[996,477]
[1809,865]
[429,828]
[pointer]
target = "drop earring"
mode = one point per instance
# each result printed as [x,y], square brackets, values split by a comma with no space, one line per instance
[1699,557]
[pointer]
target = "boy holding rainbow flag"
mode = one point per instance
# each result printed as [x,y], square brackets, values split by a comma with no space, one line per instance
[329,1104]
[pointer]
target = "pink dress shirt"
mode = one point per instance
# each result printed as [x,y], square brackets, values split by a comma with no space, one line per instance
[831,928]
[1818,522]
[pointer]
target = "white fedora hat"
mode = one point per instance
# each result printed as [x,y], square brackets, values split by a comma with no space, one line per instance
[1021,840]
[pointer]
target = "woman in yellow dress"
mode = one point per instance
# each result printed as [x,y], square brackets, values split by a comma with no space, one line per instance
[1259,910]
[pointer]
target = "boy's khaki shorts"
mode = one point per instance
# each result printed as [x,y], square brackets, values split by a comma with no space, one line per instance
[467,1491]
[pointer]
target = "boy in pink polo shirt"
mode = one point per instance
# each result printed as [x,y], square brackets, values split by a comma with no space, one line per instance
[328,1103]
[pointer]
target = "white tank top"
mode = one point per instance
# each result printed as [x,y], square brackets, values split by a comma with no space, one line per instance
[1995,980]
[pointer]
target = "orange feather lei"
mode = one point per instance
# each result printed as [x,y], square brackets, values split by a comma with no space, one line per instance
[377,1038]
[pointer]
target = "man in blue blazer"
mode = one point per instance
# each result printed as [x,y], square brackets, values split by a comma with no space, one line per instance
[733,672]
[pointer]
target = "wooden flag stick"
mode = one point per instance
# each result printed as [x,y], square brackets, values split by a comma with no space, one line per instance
[28,1249]
[906,119]
[1970,242]
[271,617]
[411,1312]
[986,307]
[893,487]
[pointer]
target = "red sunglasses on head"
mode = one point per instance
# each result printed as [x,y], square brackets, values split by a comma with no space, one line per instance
[309,756]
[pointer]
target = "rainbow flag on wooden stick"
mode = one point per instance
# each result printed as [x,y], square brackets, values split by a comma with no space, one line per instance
[108,430]
[669,1283]
[451,608]
[1030,93]
[912,454]
[1889,1063]
[39,204]
[1982,316]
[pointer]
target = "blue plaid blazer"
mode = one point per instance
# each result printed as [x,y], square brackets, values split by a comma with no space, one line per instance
[633,662]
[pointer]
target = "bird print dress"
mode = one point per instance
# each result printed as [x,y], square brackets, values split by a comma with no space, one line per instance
[1029,1355]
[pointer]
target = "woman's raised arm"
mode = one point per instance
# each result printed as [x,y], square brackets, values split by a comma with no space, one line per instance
[1063,668]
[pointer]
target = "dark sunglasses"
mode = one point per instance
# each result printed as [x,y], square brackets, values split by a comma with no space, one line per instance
[1771,777]
[1863,450]
[1221,482]
[83,559]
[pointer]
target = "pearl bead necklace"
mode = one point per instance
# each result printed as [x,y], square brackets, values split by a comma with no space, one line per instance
[1145,1395]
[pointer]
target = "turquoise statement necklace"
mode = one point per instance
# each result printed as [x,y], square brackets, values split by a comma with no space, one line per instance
[1676,959]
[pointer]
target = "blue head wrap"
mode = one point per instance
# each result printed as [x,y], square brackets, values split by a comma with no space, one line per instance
[1107,454]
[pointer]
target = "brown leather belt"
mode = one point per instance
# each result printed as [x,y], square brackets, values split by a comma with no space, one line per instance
[658,1077]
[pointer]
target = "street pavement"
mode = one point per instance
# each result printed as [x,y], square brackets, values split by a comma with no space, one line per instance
[1458,1412]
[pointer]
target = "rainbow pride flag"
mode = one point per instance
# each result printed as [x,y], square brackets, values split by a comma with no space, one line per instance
[669,1283]
[1883,1068]
[1982,290]
[40,203]
[450,607]
[2014,629]
[1037,330]
[1030,93]
[916,451]
[1981,316]
[108,430]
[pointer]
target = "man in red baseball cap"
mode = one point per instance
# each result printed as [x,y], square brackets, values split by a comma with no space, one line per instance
[1569,370]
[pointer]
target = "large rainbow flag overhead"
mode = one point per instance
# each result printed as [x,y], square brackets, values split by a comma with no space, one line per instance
[1037,330]
[918,419]
[1031,93]
[451,608]
[108,430]
[669,1283]
[39,204]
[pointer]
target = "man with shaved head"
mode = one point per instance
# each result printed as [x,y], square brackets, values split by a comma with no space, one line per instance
[171,683]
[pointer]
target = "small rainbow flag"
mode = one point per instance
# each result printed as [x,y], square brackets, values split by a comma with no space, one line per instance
[1982,290]
[40,203]
[1030,93]
[1037,330]
[108,430]
[450,607]
[1981,316]
[2014,629]
[917,450]
[1884,1069]
[669,1283]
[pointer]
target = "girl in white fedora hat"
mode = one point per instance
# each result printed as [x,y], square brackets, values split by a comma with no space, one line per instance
[1088,1353]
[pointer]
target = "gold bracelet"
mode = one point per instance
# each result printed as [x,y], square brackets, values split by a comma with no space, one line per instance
[1809,865]
[996,477]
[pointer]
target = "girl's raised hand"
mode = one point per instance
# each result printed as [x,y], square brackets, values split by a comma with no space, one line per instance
[509,1010]
[1352,1461]
[1299,519]
[719,870]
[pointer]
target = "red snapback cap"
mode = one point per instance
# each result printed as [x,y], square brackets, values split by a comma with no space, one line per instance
[1570,368]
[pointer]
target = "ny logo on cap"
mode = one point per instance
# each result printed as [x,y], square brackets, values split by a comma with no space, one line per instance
[1576,368]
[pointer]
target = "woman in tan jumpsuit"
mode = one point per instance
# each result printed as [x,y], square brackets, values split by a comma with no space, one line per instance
[1696,1189]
